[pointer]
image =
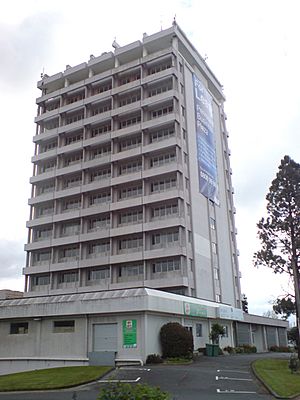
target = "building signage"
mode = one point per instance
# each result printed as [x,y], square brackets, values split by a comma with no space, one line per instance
[129,333]
[231,313]
[205,137]
[194,310]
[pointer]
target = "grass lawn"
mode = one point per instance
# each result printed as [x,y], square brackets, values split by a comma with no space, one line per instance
[52,378]
[276,374]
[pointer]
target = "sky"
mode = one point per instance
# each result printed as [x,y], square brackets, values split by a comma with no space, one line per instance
[252,46]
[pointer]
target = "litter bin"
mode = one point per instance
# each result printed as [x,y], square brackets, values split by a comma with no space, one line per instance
[212,350]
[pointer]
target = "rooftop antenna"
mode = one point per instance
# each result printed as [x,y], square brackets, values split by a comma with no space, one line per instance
[115,45]
[174,20]
[205,57]
[42,74]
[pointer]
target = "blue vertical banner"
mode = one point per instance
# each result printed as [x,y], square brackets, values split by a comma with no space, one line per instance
[205,138]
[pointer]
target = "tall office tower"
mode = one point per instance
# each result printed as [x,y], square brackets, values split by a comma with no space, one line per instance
[131,184]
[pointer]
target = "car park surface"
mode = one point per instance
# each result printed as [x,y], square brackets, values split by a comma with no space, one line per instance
[209,378]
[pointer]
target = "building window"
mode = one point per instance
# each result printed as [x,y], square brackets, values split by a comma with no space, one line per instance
[190,237]
[162,111]
[218,298]
[182,111]
[214,247]
[165,211]
[162,134]
[162,159]
[100,152]
[130,143]
[130,98]
[101,108]
[134,166]
[130,192]
[99,249]
[166,266]
[102,87]
[99,130]
[199,330]
[100,174]
[76,137]
[99,223]
[18,328]
[99,198]
[72,204]
[72,182]
[67,326]
[129,245]
[225,331]
[163,185]
[68,277]
[212,223]
[216,274]
[160,67]
[165,239]
[40,280]
[130,121]
[131,270]
[132,217]
[98,274]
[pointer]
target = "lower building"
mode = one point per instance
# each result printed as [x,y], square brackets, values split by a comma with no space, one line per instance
[117,327]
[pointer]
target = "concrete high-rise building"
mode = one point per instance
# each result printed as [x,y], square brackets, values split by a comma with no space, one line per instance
[132,217]
[132,180]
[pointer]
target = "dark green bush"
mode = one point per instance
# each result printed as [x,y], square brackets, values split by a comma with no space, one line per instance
[154,359]
[280,349]
[124,391]
[229,349]
[176,341]
[249,349]
[239,349]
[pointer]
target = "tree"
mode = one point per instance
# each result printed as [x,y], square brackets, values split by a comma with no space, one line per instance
[293,335]
[279,232]
[285,306]
[245,303]
[270,314]
[217,330]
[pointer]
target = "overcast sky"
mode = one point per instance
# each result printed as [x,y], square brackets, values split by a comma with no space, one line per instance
[251,46]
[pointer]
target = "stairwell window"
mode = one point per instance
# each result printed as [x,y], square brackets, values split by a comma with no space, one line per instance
[18,328]
[66,326]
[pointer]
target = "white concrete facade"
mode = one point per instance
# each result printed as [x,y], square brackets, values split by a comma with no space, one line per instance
[120,239]
[115,188]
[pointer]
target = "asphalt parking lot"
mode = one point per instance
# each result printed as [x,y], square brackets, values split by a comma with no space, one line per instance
[209,378]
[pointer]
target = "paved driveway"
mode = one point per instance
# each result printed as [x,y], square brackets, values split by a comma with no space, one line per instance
[209,378]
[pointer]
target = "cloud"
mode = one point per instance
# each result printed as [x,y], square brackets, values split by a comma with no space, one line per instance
[12,258]
[23,48]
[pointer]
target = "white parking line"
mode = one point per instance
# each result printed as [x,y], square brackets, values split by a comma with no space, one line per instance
[232,379]
[120,380]
[234,391]
[135,369]
[231,370]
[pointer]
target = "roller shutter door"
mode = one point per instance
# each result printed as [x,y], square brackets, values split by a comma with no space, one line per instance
[105,337]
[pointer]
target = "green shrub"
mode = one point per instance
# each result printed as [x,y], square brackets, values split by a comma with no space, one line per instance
[176,341]
[294,363]
[280,349]
[229,349]
[201,350]
[249,349]
[239,349]
[124,391]
[154,359]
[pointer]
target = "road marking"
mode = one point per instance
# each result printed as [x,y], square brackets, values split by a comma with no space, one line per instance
[231,370]
[120,380]
[135,369]
[231,391]
[232,379]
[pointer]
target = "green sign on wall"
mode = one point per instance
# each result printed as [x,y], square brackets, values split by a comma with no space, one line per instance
[129,333]
[194,310]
